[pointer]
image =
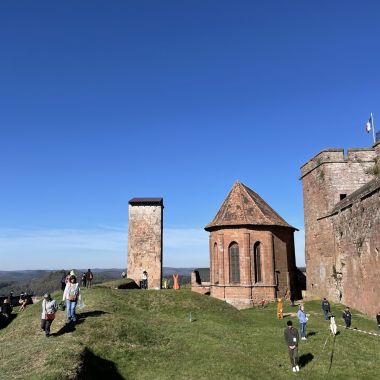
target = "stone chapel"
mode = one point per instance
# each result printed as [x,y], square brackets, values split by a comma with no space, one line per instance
[252,255]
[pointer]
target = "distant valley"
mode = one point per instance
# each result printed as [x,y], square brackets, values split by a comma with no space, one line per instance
[41,281]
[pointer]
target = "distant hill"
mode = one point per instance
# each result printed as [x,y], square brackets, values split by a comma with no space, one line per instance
[39,282]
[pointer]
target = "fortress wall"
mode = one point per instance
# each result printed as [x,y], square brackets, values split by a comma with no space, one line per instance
[325,179]
[357,263]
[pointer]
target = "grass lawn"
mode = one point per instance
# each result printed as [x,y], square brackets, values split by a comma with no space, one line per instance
[135,334]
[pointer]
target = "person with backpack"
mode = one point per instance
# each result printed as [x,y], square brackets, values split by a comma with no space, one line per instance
[89,277]
[49,308]
[71,295]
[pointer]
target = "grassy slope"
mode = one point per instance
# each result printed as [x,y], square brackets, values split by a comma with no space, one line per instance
[135,334]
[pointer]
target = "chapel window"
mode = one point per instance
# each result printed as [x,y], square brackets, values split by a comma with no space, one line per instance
[216,264]
[234,263]
[257,262]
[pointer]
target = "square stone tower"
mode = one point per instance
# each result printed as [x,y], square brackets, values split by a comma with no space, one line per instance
[145,228]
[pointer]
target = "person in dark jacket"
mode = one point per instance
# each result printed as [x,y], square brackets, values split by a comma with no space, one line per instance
[326,308]
[291,339]
[347,317]
[378,320]
[6,308]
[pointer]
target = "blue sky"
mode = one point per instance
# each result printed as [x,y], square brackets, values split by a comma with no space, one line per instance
[102,101]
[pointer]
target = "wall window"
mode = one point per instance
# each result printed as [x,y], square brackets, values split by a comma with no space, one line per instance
[256,267]
[234,263]
[216,264]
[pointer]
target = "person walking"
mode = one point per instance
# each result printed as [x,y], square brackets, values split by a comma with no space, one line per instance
[49,308]
[326,308]
[303,321]
[347,316]
[63,281]
[291,339]
[71,295]
[89,277]
[144,280]
[84,280]
[378,320]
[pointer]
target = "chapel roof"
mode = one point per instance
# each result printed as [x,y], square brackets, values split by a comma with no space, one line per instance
[244,207]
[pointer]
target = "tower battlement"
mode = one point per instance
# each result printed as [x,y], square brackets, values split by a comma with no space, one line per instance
[336,155]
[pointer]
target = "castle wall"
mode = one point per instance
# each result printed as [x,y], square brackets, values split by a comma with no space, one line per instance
[145,242]
[357,261]
[325,179]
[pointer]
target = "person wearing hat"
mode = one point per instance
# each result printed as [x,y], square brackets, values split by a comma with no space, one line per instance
[49,308]
[71,295]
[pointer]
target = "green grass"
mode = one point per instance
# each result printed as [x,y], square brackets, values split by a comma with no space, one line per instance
[134,334]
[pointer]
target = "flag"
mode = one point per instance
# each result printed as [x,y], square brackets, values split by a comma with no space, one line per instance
[369,124]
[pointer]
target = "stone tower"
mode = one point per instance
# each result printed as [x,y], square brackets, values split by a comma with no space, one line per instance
[252,252]
[145,228]
[327,179]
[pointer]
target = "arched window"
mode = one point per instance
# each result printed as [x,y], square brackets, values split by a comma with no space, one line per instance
[216,264]
[256,268]
[234,263]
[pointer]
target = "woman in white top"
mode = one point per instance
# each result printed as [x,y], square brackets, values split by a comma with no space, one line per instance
[49,308]
[71,296]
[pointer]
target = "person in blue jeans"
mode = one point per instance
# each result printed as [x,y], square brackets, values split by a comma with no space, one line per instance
[71,296]
[303,321]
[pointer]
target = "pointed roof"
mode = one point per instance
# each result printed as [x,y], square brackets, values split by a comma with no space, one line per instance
[245,207]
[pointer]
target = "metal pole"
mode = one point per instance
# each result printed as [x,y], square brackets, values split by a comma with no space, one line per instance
[373,129]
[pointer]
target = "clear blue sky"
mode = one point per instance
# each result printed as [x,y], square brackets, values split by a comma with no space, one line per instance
[104,101]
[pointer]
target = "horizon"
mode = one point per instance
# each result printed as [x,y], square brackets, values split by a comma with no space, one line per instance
[174,100]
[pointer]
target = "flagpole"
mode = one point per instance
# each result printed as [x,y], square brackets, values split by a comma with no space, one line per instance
[373,129]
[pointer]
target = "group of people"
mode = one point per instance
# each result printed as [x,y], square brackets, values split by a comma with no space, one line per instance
[292,336]
[86,279]
[71,298]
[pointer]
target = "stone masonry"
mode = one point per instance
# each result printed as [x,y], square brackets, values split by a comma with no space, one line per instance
[342,226]
[145,228]
[252,254]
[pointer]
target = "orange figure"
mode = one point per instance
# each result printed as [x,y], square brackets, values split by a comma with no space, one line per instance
[176,283]
[280,308]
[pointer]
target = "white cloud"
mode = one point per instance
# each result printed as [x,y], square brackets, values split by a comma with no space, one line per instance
[103,247]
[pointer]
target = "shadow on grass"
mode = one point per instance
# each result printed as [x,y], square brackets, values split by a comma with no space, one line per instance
[95,367]
[70,327]
[4,321]
[305,359]
[95,313]
[129,285]
[67,328]
[311,333]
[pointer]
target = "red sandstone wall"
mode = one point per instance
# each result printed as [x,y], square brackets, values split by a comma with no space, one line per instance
[277,250]
[357,263]
[324,178]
